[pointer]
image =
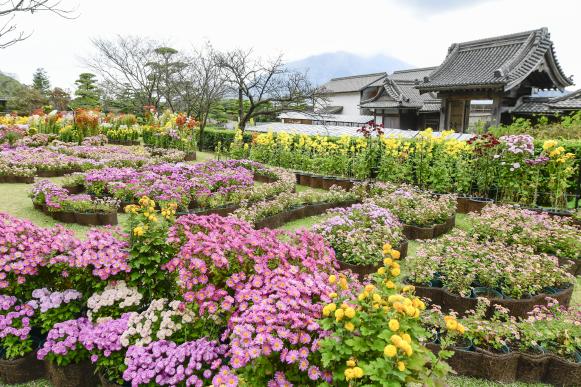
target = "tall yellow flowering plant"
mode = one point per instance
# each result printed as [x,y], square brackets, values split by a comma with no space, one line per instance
[375,337]
[149,250]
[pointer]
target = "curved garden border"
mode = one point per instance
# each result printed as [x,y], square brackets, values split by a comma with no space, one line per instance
[277,220]
[514,366]
[518,308]
[85,219]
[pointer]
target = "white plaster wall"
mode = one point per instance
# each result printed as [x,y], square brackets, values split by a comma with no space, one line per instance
[349,101]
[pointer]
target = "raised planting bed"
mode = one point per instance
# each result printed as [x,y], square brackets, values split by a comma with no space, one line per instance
[416,232]
[323,182]
[514,366]
[73,375]
[518,308]
[297,213]
[17,179]
[466,205]
[364,270]
[85,219]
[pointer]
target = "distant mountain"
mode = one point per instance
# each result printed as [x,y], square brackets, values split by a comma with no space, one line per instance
[323,67]
[7,85]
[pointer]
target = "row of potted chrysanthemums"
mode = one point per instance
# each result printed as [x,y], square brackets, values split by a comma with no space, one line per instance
[167,130]
[60,158]
[208,185]
[508,169]
[204,300]
[209,300]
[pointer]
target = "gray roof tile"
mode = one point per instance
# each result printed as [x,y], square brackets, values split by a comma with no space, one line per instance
[499,62]
[351,84]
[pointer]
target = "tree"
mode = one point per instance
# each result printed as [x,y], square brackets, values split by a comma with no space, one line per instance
[59,99]
[25,100]
[88,95]
[168,65]
[41,82]
[9,33]
[204,86]
[123,64]
[268,86]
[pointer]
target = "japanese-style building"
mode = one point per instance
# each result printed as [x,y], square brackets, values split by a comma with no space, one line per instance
[502,70]
[395,101]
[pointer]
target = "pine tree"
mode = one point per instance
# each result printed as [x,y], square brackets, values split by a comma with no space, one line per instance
[87,93]
[40,82]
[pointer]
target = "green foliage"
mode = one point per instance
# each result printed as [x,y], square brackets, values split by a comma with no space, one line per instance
[87,93]
[213,136]
[149,250]
[376,336]
[25,100]
[40,82]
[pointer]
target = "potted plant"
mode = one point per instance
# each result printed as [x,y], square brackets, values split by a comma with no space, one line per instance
[66,357]
[18,343]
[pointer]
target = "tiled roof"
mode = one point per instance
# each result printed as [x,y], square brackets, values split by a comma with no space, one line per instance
[501,62]
[532,105]
[567,102]
[400,91]
[351,84]
[544,105]
[412,74]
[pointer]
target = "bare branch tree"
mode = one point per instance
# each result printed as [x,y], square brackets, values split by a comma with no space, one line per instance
[204,85]
[9,33]
[268,86]
[124,65]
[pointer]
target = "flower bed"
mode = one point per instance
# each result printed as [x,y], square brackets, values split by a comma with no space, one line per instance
[59,204]
[539,348]
[508,169]
[292,206]
[358,234]
[424,216]
[21,163]
[456,267]
[210,186]
[546,234]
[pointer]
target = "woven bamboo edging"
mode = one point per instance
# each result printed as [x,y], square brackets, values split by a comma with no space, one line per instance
[514,366]
[517,308]
[412,232]
[23,370]
[84,219]
[277,220]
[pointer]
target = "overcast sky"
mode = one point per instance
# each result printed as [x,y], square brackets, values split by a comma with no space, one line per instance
[418,32]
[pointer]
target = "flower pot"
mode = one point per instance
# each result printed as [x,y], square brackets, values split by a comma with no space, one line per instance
[74,189]
[298,177]
[462,205]
[108,218]
[190,156]
[73,375]
[477,204]
[361,270]
[106,383]
[23,370]
[68,217]
[316,182]
[486,292]
[87,219]
[327,182]
[464,345]
[415,232]
[57,215]
[305,179]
